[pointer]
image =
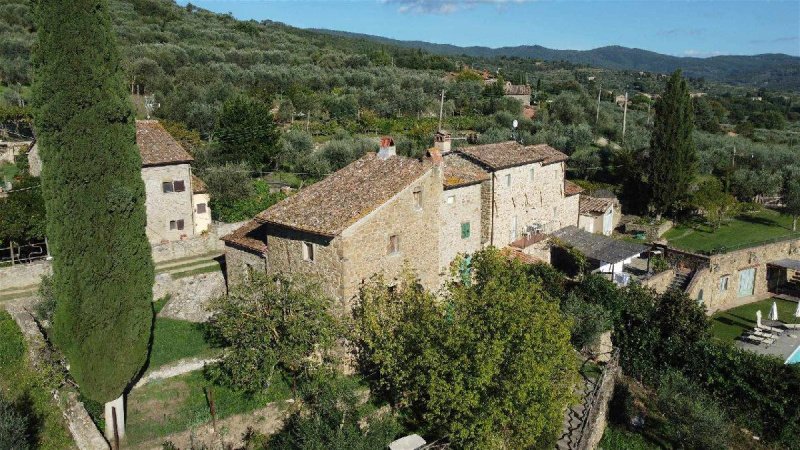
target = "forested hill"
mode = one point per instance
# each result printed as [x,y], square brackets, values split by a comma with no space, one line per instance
[773,71]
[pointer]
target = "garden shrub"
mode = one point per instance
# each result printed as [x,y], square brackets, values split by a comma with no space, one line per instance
[14,427]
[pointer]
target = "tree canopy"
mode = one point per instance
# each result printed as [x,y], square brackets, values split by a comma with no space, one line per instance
[94,197]
[491,366]
[673,160]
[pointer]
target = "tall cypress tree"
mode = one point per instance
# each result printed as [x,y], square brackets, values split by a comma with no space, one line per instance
[94,197]
[673,157]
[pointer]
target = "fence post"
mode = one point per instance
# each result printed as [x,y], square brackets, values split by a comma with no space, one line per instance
[11,247]
[47,249]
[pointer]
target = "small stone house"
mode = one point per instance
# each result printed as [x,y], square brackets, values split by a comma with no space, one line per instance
[599,215]
[384,213]
[379,215]
[176,201]
[519,92]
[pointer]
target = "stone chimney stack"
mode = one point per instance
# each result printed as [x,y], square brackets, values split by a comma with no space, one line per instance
[387,148]
[436,156]
[441,140]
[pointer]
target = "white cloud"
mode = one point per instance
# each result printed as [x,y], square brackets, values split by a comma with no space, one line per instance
[444,6]
[700,53]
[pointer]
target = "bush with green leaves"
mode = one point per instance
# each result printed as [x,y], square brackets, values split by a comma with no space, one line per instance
[334,417]
[14,427]
[269,325]
[589,320]
[692,418]
[468,369]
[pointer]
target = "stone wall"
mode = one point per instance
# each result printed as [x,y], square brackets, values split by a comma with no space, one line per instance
[285,254]
[239,263]
[731,265]
[365,243]
[189,296]
[199,245]
[165,207]
[23,275]
[486,211]
[464,208]
[528,201]
[660,281]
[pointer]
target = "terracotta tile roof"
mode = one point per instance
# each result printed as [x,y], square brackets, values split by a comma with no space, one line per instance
[245,237]
[516,89]
[519,255]
[328,207]
[571,188]
[526,242]
[594,205]
[157,146]
[507,154]
[198,186]
[458,172]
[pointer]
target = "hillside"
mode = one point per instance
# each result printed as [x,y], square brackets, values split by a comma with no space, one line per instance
[772,71]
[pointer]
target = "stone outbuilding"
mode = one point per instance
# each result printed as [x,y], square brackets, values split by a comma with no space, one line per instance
[599,215]
[176,201]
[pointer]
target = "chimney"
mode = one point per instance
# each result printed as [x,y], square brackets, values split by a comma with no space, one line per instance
[441,140]
[387,148]
[436,156]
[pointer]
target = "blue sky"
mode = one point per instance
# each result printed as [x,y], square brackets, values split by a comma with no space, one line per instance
[682,28]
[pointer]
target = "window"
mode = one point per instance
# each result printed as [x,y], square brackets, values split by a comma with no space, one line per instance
[173,186]
[201,208]
[465,230]
[723,283]
[418,198]
[508,179]
[176,224]
[451,199]
[530,174]
[308,251]
[394,244]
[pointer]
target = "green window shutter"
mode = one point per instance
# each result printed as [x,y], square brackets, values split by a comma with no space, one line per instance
[465,230]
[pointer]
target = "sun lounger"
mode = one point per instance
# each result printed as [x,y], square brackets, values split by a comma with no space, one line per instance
[770,329]
[751,338]
[792,326]
[763,334]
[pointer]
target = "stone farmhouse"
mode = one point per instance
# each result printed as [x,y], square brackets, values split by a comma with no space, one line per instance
[384,213]
[176,200]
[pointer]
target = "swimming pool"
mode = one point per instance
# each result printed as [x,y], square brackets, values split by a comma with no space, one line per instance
[794,358]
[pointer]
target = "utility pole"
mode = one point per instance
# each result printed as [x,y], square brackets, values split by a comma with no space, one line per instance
[441,111]
[597,116]
[625,117]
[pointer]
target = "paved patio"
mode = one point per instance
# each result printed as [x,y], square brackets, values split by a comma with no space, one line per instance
[783,346]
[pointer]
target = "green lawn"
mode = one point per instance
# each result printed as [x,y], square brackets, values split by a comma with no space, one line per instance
[177,339]
[618,438]
[737,232]
[730,324]
[176,404]
[8,171]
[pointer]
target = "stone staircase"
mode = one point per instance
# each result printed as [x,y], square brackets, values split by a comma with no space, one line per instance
[681,280]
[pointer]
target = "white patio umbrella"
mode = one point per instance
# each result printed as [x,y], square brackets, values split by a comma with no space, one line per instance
[758,319]
[797,311]
[773,313]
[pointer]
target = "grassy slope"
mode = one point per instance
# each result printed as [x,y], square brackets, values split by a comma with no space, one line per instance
[177,339]
[742,230]
[730,324]
[180,403]
[30,390]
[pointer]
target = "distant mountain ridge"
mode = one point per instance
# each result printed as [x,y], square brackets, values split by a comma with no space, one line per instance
[771,70]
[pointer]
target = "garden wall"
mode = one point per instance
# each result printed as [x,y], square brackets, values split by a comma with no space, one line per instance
[199,245]
[23,275]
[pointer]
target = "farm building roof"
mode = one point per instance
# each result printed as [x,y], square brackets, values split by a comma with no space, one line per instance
[157,146]
[329,206]
[507,154]
[597,246]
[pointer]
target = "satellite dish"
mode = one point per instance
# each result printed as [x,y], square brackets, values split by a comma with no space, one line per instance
[515,124]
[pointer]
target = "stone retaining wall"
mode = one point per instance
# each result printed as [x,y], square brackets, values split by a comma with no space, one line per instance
[22,275]
[189,296]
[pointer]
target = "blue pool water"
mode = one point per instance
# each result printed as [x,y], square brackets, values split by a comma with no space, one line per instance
[794,358]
